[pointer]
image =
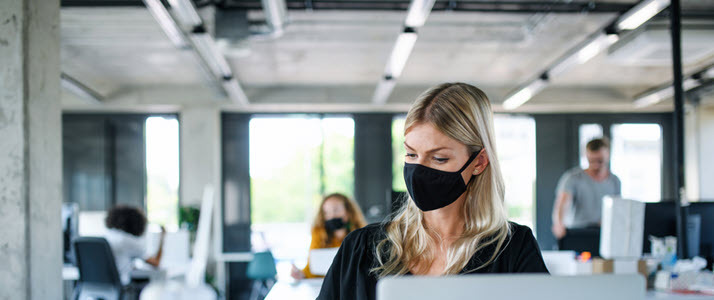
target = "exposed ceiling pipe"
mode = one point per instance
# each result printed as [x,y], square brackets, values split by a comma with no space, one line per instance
[662,93]
[595,44]
[276,13]
[76,87]
[200,41]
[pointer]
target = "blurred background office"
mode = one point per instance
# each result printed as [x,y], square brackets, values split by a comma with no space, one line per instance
[250,112]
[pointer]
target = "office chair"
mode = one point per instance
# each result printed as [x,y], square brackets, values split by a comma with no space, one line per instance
[262,271]
[98,275]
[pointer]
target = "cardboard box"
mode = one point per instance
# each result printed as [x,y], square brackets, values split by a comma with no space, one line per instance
[619,266]
[603,266]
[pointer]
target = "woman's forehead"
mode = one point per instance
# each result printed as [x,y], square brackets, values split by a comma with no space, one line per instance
[426,137]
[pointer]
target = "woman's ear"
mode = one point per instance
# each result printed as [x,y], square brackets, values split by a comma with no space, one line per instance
[481,162]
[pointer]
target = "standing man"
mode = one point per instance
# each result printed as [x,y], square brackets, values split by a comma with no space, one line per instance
[578,201]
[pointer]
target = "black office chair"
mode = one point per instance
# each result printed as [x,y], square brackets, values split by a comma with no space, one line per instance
[98,275]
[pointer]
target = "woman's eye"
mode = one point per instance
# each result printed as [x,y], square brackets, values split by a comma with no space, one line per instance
[441,160]
[411,155]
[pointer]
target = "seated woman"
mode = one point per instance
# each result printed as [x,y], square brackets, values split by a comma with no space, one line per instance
[455,220]
[338,216]
[126,226]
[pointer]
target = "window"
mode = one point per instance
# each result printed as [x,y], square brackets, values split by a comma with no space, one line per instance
[515,140]
[636,159]
[398,154]
[162,171]
[294,161]
[587,132]
[515,143]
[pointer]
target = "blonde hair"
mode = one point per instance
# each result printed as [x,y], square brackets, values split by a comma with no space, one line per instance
[354,216]
[463,113]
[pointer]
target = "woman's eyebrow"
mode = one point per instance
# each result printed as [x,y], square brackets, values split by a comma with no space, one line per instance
[430,151]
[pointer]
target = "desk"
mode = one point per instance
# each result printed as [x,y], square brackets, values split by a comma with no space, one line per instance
[303,290]
[655,295]
[310,288]
[70,272]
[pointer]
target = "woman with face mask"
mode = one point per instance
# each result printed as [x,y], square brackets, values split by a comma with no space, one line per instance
[338,216]
[454,221]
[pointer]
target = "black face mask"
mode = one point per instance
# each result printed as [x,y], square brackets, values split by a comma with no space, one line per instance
[334,224]
[432,189]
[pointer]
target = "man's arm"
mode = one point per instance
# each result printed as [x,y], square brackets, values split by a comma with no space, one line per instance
[561,201]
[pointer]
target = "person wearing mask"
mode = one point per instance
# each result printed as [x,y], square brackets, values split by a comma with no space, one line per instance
[337,217]
[454,221]
[126,226]
[578,203]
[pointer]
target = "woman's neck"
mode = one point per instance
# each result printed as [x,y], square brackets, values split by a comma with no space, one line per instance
[447,222]
[340,234]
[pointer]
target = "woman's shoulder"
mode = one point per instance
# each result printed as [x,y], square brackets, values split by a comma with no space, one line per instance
[519,236]
[519,232]
[370,232]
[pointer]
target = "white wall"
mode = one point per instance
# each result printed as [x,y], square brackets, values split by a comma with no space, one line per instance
[200,152]
[699,152]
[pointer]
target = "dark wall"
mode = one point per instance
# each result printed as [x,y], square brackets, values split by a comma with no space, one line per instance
[557,150]
[235,152]
[373,164]
[104,160]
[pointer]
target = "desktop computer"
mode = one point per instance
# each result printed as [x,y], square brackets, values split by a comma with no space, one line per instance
[70,230]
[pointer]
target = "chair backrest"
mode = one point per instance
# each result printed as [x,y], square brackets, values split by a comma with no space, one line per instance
[95,261]
[262,266]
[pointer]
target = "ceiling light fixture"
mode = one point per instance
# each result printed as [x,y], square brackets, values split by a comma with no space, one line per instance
[522,95]
[186,12]
[167,23]
[640,14]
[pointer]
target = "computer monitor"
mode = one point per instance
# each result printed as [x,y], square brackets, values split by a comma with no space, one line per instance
[70,230]
[660,221]
[513,286]
[705,209]
[581,240]
[321,260]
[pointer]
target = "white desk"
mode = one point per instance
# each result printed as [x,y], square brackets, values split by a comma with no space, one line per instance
[310,288]
[70,272]
[654,295]
[306,289]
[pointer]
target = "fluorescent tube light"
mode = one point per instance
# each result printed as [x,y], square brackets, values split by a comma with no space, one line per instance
[641,13]
[208,50]
[586,52]
[275,14]
[418,12]
[384,89]
[235,92]
[659,95]
[400,54]
[517,99]
[186,12]
[168,24]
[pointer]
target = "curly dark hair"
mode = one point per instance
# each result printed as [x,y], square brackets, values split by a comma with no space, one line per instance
[126,218]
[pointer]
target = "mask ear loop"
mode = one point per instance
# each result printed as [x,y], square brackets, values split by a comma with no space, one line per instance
[471,159]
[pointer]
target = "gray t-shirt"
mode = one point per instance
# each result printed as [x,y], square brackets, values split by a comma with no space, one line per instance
[586,207]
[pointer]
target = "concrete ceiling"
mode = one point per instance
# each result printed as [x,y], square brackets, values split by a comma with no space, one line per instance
[336,58]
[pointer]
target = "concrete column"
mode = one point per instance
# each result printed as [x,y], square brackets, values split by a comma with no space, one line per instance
[200,152]
[30,150]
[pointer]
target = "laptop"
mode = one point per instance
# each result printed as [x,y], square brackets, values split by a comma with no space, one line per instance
[321,260]
[513,286]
